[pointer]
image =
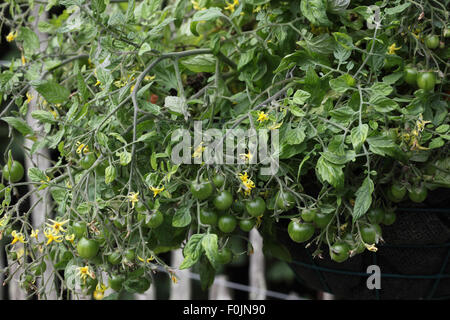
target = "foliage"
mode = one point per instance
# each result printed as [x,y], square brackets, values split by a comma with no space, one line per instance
[117,80]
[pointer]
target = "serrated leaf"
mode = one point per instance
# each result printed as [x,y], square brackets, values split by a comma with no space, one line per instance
[36,175]
[192,251]
[182,217]
[363,198]
[52,91]
[359,135]
[210,246]
[110,174]
[300,97]
[208,14]
[19,124]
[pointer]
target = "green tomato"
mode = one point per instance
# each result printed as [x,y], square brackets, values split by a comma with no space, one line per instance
[156,219]
[116,282]
[15,173]
[87,160]
[410,75]
[208,217]
[201,190]
[218,180]
[87,249]
[115,258]
[398,192]
[227,223]
[426,80]
[389,218]
[246,225]
[223,200]
[369,233]
[340,251]
[225,256]
[322,219]
[129,255]
[418,194]
[79,229]
[375,215]
[256,207]
[432,41]
[300,232]
[308,215]
[284,200]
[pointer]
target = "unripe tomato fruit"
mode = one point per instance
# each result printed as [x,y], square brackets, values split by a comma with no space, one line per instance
[114,258]
[15,173]
[300,232]
[398,192]
[218,180]
[201,190]
[426,80]
[156,219]
[339,251]
[309,214]
[227,223]
[79,229]
[225,256]
[87,160]
[389,218]
[368,233]
[322,219]
[87,249]
[418,194]
[410,76]
[284,200]
[375,215]
[256,207]
[246,224]
[116,281]
[223,200]
[432,41]
[208,217]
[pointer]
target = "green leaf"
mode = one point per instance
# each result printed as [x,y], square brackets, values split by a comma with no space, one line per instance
[209,244]
[175,104]
[330,172]
[207,275]
[19,124]
[36,175]
[44,116]
[342,83]
[315,12]
[182,217]
[110,174]
[397,9]
[150,107]
[300,97]
[208,14]
[192,251]
[276,250]
[245,58]
[125,158]
[436,143]
[295,136]
[383,104]
[344,114]
[332,157]
[200,63]
[359,135]
[31,43]
[52,91]
[144,48]
[381,89]
[363,198]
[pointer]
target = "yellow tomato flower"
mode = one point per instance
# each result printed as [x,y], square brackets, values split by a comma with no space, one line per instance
[262,116]
[371,247]
[174,278]
[132,88]
[34,234]
[243,177]
[246,156]
[57,225]
[133,197]
[196,5]
[248,186]
[11,36]
[146,260]
[393,48]
[420,124]
[156,191]
[99,292]
[24,61]
[149,78]
[84,272]
[18,237]
[198,151]
[82,148]
[231,6]
[52,236]
[29,97]
[70,238]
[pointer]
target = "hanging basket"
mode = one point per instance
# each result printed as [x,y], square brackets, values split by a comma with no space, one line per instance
[413,260]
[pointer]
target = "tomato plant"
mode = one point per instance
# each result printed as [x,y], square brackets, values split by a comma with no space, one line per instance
[168,123]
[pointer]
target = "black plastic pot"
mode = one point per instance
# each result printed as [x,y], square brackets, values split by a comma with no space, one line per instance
[414,260]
